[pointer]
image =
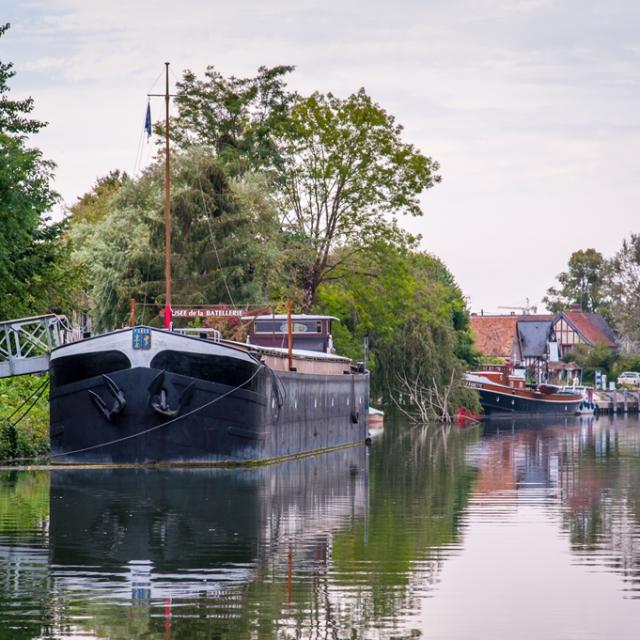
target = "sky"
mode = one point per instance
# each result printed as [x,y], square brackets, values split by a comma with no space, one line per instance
[531,107]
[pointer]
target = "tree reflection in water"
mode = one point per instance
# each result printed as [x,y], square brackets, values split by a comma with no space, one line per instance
[350,544]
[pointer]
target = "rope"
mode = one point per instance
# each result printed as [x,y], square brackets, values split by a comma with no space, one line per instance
[164,424]
[38,390]
[139,433]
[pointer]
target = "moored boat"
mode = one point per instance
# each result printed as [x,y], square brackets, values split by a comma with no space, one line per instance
[143,395]
[504,391]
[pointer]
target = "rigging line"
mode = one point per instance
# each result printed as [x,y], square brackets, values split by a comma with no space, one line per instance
[168,422]
[213,242]
[138,160]
[155,82]
[38,391]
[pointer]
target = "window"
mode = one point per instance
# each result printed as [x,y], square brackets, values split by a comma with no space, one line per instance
[279,326]
[83,366]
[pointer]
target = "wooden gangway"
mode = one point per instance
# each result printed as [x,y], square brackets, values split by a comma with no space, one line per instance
[25,343]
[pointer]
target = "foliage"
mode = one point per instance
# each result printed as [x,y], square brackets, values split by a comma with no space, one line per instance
[339,167]
[33,262]
[600,356]
[624,362]
[581,284]
[623,288]
[94,205]
[345,170]
[236,118]
[224,241]
[30,436]
[414,316]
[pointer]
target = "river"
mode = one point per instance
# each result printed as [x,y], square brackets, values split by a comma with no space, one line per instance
[508,530]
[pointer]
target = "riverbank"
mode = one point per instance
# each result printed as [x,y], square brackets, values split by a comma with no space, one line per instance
[24,417]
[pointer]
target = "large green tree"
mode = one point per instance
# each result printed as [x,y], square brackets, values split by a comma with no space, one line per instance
[236,118]
[224,240]
[32,258]
[582,283]
[347,174]
[623,289]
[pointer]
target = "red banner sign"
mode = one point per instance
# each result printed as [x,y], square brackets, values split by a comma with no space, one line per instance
[185,312]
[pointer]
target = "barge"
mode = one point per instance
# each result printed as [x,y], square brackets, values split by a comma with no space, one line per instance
[143,395]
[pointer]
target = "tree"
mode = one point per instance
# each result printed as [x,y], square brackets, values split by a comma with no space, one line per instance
[581,284]
[94,205]
[346,172]
[235,117]
[33,275]
[415,317]
[224,241]
[623,289]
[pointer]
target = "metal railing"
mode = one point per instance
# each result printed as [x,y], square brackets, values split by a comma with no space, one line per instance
[25,343]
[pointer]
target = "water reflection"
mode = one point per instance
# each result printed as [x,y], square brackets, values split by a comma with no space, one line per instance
[501,522]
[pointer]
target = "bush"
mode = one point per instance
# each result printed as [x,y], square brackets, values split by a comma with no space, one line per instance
[30,436]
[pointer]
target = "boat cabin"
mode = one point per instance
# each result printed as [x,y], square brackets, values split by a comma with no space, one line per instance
[310,332]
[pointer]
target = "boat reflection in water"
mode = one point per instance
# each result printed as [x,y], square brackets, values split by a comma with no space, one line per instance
[180,544]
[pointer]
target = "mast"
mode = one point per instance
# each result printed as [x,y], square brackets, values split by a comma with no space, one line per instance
[167,205]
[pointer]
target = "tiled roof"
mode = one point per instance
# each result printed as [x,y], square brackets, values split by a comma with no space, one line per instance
[592,326]
[494,335]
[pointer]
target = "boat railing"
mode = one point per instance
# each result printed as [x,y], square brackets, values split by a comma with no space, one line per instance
[205,333]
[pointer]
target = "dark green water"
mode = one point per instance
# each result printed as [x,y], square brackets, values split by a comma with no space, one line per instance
[528,531]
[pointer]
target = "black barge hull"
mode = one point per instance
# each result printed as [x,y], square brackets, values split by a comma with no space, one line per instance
[194,403]
[284,414]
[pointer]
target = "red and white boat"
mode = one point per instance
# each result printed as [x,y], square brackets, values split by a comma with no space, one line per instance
[504,391]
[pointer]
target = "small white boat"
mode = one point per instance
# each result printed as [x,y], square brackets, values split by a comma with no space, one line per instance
[376,417]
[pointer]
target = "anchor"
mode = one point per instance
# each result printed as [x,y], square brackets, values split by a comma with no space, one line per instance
[159,397]
[120,402]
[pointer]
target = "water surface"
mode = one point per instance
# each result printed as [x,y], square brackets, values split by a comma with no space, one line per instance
[511,530]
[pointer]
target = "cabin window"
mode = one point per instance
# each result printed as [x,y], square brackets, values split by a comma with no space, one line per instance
[213,368]
[83,366]
[279,326]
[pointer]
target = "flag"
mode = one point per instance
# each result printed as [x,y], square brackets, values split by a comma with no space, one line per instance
[147,121]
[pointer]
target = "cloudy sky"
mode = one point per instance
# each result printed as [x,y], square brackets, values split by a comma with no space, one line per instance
[531,106]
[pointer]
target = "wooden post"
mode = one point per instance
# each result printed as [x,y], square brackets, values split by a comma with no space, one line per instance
[167,204]
[289,335]
[132,312]
[625,401]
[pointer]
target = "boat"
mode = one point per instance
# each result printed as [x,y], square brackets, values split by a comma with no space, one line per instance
[503,391]
[145,395]
[588,406]
[376,417]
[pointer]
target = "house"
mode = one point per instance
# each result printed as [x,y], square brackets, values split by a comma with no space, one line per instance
[574,326]
[537,341]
